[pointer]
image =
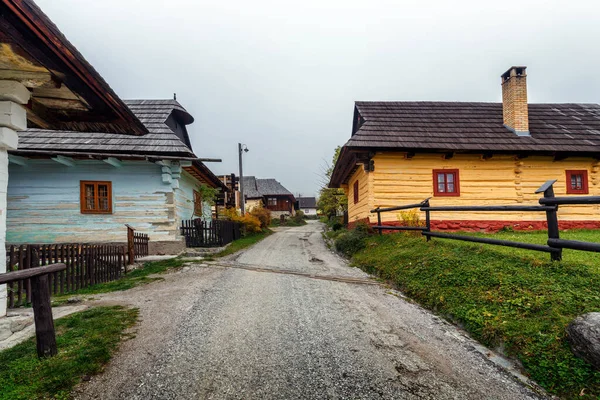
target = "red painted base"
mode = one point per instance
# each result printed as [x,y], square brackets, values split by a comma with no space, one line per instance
[494,226]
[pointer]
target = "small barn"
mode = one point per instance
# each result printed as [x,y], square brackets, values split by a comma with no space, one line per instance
[463,154]
[270,194]
[68,186]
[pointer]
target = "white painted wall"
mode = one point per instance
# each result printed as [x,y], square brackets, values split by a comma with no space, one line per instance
[13,118]
[309,211]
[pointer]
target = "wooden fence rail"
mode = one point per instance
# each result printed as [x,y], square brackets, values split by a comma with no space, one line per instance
[42,310]
[199,233]
[548,204]
[86,265]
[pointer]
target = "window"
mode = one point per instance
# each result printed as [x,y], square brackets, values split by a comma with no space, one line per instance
[577,182]
[355,190]
[198,209]
[272,201]
[96,197]
[445,182]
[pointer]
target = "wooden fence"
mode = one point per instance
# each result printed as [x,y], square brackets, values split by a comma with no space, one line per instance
[86,265]
[137,244]
[548,204]
[199,233]
[140,244]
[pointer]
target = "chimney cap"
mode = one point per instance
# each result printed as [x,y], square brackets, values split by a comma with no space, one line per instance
[514,71]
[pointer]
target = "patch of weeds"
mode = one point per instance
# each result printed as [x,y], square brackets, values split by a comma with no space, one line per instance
[85,340]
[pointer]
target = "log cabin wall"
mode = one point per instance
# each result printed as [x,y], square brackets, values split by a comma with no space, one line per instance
[364,182]
[44,202]
[500,180]
[184,199]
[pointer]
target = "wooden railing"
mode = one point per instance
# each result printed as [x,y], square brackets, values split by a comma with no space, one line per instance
[42,310]
[548,204]
[199,233]
[85,265]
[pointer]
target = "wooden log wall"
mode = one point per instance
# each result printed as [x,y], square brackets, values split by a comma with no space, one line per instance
[500,180]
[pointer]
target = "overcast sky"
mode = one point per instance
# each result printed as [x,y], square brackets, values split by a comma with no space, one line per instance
[282,77]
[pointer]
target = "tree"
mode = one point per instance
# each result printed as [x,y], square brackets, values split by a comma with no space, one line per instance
[332,201]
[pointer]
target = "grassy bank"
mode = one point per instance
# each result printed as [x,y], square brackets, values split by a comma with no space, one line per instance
[86,341]
[130,280]
[244,242]
[288,222]
[506,298]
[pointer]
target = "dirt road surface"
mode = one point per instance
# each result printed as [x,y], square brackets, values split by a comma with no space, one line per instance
[288,319]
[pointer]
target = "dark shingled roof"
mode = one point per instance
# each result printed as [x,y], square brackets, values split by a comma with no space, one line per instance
[467,127]
[307,202]
[256,188]
[457,126]
[152,113]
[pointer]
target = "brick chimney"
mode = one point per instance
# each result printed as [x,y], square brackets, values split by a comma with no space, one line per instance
[514,100]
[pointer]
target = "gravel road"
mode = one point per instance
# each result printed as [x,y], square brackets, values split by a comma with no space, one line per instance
[288,319]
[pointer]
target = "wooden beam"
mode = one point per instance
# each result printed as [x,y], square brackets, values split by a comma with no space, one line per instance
[409,155]
[37,120]
[68,161]
[487,156]
[448,155]
[521,156]
[22,161]
[185,163]
[113,161]
[560,156]
[30,79]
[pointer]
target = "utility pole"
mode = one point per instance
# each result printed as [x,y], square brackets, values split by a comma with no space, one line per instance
[241,149]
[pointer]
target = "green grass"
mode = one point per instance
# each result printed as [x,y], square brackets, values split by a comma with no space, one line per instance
[507,298]
[244,242]
[288,222]
[130,280]
[86,341]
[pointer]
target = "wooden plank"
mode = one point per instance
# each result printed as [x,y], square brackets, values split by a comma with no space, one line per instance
[28,273]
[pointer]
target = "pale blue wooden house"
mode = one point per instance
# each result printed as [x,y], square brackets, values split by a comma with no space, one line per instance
[67,187]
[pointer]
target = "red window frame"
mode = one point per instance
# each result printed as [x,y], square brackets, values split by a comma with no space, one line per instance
[445,172]
[355,190]
[584,181]
[95,197]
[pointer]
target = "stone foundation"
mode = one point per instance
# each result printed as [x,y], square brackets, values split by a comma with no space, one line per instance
[166,247]
[278,214]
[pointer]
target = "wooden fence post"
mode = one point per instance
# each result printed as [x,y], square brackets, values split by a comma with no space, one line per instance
[427,219]
[130,245]
[42,310]
[552,219]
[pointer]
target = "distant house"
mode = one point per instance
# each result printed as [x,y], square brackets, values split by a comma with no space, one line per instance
[70,186]
[472,153]
[270,193]
[308,205]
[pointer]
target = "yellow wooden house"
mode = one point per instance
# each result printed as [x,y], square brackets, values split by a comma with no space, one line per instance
[462,153]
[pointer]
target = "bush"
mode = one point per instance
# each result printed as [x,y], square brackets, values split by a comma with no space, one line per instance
[298,218]
[349,243]
[411,218]
[251,224]
[263,215]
